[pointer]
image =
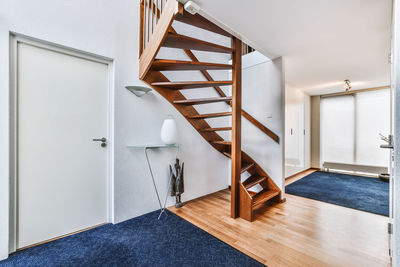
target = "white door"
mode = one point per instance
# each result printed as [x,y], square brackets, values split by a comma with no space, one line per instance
[294,136]
[62,173]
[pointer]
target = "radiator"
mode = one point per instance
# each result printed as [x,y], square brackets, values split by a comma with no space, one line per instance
[354,167]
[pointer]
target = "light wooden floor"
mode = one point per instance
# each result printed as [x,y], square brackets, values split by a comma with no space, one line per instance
[299,232]
[298,176]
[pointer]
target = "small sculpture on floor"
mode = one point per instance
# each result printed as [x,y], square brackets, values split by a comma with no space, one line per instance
[177,186]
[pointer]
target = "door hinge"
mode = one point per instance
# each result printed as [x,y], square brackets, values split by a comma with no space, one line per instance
[390,58]
[390,228]
[390,232]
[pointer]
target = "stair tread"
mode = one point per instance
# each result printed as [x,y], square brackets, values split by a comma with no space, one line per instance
[199,101]
[216,129]
[170,65]
[246,167]
[263,196]
[185,42]
[211,115]
[222,142]
[199,21]
[253,180]
[191,85]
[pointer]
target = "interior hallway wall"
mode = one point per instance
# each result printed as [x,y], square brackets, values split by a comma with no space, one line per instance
[110,29]
[315,132]
[263,97]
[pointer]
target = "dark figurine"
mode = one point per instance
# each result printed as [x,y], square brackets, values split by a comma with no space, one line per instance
[177,187]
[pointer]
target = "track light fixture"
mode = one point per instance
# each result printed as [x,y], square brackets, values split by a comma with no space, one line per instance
[347,85]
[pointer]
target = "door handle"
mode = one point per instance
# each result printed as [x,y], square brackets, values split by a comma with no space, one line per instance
[389,141]
[102,140]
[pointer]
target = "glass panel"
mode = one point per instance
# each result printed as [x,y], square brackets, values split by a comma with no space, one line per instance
[337,129]
[373,117]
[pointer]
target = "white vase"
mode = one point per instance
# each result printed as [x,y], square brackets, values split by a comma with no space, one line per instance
[169,132]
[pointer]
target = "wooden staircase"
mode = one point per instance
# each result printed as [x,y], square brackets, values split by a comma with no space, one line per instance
[156,31]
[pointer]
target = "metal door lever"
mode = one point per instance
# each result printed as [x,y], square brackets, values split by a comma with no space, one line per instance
[389,141]
[102,140]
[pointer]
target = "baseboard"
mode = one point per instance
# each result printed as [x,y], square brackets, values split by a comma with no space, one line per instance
[300,172]
[59,237]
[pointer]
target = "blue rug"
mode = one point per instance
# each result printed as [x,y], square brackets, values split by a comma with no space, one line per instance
[356,192]
[142,241]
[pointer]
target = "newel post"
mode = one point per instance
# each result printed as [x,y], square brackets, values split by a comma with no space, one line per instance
[236,148]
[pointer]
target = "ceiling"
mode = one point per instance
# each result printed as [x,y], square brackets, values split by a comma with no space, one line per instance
[323,42]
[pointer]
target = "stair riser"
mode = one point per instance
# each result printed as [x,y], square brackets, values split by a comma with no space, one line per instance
[215,115]
[246,168]
[174,65]
[256,204]
[216,129]
[250,185]
[200,22]
[185,86]
[202,101]
[186,42]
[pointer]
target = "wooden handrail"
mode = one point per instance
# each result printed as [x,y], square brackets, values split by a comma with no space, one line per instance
[207,75]
[141,27]
[260,126]
[157,37]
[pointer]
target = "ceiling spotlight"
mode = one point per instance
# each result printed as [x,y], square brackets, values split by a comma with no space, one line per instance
[191,7]
[347,85]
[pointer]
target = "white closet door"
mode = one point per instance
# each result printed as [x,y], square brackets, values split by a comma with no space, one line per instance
[62,173]
[294,135]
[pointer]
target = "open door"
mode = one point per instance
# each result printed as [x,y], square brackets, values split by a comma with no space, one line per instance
[394,214]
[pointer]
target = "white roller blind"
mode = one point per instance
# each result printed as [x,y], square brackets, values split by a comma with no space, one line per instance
[350,127]
[337,129]
[373,117]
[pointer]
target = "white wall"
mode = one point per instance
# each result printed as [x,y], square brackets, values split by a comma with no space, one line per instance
[297,131]
[263,97]
[110,29]
[307,127]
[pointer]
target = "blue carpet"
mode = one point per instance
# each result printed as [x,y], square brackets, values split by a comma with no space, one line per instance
[356,192]
[142,241]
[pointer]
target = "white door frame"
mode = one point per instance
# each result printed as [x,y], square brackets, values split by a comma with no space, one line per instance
[395,183]
[16,38]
